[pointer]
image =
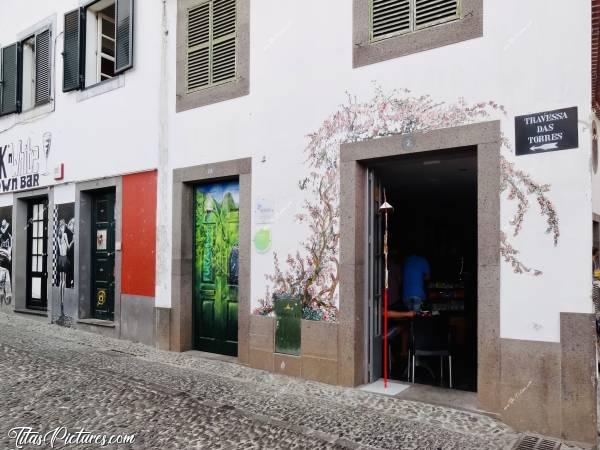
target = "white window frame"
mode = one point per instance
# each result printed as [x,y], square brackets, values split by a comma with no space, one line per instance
[30,75]
[101,19]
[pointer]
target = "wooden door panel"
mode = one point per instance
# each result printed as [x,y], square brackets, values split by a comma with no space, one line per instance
[103,255]
[37,251]
[216,255]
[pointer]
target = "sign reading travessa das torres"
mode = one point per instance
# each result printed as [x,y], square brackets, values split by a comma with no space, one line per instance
[546,131]
[22,164]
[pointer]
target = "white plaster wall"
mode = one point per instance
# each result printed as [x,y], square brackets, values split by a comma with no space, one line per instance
[109,134]
[64,193]
[596,178]
[531,59]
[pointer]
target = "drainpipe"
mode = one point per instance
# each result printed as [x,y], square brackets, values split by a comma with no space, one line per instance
[163,247]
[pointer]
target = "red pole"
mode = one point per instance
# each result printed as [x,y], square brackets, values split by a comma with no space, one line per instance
[385,208]
[385,346]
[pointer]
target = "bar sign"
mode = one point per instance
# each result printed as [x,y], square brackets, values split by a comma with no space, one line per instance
[546,131]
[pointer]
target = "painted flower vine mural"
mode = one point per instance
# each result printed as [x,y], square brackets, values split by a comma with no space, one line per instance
[312,273]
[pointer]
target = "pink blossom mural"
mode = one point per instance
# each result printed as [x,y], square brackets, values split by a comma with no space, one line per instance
[312,273]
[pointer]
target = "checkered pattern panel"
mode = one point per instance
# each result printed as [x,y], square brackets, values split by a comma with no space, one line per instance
[54,248]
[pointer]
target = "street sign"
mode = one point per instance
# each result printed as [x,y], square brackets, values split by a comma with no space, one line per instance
[546,131]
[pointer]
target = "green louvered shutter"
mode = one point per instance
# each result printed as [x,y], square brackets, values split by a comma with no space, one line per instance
[42,67]
[433,12]
[10,80]
[390,18]
[72,53]
[124,36]
[211,44]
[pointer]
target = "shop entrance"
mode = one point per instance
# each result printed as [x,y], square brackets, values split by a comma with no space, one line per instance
[37,242]
[432,262]
[103,255]
[216,269]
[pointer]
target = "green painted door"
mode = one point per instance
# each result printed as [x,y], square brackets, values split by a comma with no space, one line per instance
[216,259]
[103,255]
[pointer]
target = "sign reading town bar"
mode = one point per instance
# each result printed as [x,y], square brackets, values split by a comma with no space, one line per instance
[22,164]
[546,131]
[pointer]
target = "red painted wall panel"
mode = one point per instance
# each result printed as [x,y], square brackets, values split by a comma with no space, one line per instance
[138,270]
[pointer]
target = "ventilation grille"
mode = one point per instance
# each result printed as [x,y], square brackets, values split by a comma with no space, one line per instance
[432,12]
[42,67]
[532,442]
[199,25]
[224,18]
[393,17]
[390,17]
[211,48]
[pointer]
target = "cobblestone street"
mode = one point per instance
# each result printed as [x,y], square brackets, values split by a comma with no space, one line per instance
[53,377]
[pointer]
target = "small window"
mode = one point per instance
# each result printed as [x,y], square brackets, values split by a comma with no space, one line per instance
[211,41]
[98,43]
[386,29]
[25,73]
[213,51]
[390,18]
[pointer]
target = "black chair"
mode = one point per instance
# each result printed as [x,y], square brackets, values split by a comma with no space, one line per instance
[430,336]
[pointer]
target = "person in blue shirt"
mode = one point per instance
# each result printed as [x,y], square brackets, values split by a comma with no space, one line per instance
[415,273]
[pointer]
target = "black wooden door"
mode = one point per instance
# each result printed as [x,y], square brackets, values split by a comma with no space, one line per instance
[37,251]
[103,255]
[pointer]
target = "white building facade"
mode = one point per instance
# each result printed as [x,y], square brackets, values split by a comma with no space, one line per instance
[176,152]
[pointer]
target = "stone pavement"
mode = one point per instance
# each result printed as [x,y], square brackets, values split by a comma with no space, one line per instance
[52,376]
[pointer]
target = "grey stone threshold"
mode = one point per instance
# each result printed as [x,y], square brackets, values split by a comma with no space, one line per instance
[97,322]
[35,312]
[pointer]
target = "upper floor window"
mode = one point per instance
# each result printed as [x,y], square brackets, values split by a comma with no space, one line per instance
[25,71]
[213,51]
[386,29]
[390,18]
[211,40]
[98,43]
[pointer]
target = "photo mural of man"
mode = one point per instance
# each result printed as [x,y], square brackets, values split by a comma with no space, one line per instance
[5,255]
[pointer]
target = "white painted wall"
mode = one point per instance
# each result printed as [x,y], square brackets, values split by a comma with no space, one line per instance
[108,134]
[530,59]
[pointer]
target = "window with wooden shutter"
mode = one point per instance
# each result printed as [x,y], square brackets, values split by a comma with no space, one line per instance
[43,67]
[10,80]
[72,61]
[211,44]
[390,18]
[124,35]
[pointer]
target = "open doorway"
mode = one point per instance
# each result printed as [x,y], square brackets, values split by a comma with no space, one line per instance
[432,341]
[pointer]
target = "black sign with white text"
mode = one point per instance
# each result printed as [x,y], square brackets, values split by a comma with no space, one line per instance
[546,131]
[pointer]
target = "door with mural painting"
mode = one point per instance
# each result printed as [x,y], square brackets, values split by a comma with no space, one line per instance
[216,259]
[37,251]
[103,255]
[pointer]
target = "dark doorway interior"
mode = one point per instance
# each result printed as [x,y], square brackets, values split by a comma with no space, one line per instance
[434,196]
[37,251]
